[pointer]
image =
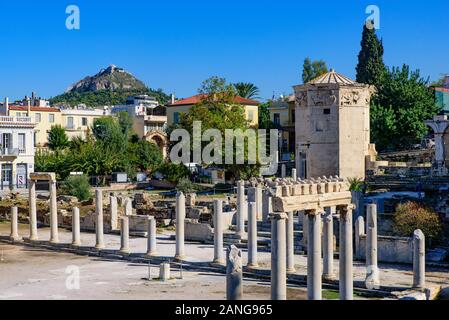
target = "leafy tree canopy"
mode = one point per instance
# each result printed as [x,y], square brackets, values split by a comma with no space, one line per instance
[312,70]
[57,138]
[247,90]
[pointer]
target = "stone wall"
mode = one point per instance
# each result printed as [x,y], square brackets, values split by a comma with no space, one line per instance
[390,249]
[195,231]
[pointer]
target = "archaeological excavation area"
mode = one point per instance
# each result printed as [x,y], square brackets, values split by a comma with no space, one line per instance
[274,239]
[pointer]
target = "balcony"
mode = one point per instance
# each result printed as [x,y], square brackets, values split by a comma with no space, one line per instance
[9,152]
[16,121]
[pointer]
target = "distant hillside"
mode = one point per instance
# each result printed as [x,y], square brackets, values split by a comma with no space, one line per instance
[110,86]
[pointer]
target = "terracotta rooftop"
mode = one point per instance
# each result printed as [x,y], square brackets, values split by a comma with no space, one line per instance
[330,78]
[197,98]
[35,109]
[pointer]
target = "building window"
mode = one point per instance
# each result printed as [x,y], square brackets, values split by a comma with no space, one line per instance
[6,175]
[251,115]
[22,143]
[84,122]
[70,124]
[37,117]
[277,119]
[176,118]
[51,118]
[35,139]
[327,111]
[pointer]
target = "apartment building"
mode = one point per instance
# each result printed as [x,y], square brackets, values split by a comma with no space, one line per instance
[16,151]
[282,114]
[78,121]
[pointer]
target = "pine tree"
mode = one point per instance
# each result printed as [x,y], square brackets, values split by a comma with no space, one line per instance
[370,67]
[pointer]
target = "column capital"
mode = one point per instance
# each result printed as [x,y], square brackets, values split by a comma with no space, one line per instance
[278,216]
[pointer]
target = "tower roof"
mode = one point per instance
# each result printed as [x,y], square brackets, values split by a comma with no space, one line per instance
[332,77]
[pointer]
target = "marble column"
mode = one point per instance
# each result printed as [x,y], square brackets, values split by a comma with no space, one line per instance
[305,231]
[294,174]
[346,255]
[14,236]
[252,235]
[234,274]
[290,231]
[180,221]
[54,236]
[278,257]
[76,234]
[372,280]
[359,229]
[151,237]
[241,208]
[124,235]
[113,212]
[259,205]
[328,244]
[419,260]
[283,171]
[218,232]
[314,271]
[128,207]
[99,221]
[33,211]
[267,206]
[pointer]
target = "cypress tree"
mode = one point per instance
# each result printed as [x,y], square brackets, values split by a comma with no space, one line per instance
[370,67]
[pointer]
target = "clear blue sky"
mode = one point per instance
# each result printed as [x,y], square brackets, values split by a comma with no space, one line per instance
[175,44]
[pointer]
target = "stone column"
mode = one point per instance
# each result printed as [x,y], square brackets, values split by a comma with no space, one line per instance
[419,260]
[180,221]
[33,211]
[372,271]
[305,230]
[54,237]
[294,174]
[252,235]
[124,235]
[359,232]
[234,274]
[128,207]
[151,237]
[278,257]
[328,244]
[218,232]
[267,207]
[241,208]
[76,235]
[99,223]
[113,212]
[290,231]
[283,171]
[346,254]
[259,200]
[314,272]
[14,236]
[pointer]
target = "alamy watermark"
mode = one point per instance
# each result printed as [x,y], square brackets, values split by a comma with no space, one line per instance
[238,148]
[373,20]
[72,281]
[73,20]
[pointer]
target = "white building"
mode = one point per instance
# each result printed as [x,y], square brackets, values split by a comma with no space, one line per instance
[16,152]
[137,106]
[78,121]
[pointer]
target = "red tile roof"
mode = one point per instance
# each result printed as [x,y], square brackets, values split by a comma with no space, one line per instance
[35,109]
[442,89]
[197,98]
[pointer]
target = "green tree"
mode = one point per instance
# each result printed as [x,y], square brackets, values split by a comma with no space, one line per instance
[411,216]
[247,90]
[145,155]
[312,70]
[57,138]
[174,172]
[217,110]
[370,67]
[109,131]
[264,117]
[77,186]
[402,103]
[125,122]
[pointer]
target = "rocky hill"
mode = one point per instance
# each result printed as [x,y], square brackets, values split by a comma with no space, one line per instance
[111,86]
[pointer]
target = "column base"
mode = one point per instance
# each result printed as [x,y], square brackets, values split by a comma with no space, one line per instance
[15,239]
[218,263]
[329,277]
[252,265]
[99,247]
[124,252]
[76,245]
[151,254]
[56,242]
[291,270]
[180,258]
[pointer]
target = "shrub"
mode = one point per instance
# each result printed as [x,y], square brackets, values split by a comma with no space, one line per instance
[185,186]
[77,186]
[174,172]
[356,184]
[412,215]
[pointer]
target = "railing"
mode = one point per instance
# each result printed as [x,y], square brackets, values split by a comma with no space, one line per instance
[10,119]
[9,152]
